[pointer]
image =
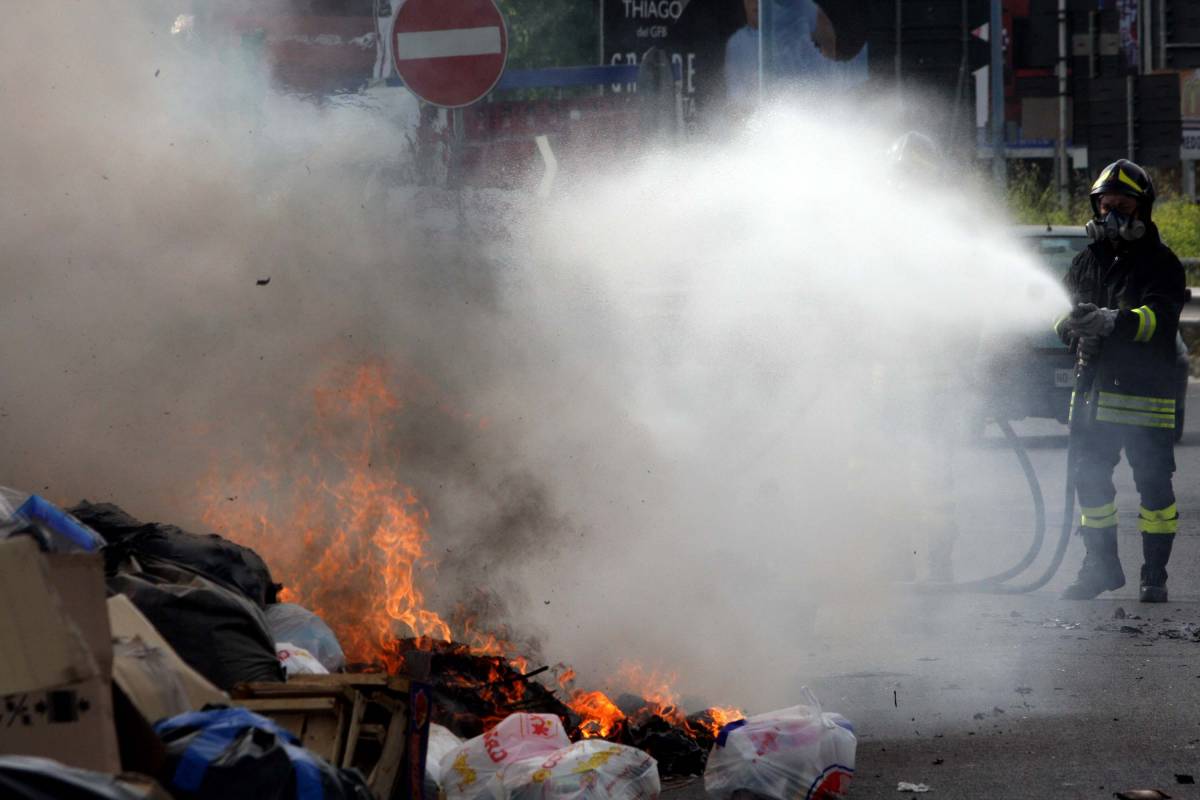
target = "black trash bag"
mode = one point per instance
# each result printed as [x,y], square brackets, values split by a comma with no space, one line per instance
[235,754]
[211,555]
[216,630]
[32,778]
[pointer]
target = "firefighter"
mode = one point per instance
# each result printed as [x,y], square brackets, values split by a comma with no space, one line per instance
[1127,289]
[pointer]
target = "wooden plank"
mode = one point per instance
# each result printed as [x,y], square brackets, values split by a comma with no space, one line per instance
[291,704]
[343,723]
[342,679]
[393,682]
[391,760]
[339,680]
[250,690]
[352,733]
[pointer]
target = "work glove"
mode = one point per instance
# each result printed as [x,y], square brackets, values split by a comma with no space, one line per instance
[1088,321]
[1087,346]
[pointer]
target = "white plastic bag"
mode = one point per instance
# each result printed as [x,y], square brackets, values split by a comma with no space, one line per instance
[589,770]
[467,770]
[289,622]
[442,742]
[298,661]
[790,754]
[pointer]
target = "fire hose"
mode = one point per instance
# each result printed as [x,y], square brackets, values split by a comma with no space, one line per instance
[1078,419]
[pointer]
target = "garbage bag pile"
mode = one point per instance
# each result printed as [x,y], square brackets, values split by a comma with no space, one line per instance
[529,757]
[126,637]
[207,595]
[123,640]
[797,753]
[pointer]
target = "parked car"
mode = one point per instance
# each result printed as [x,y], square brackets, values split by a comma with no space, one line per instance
[1035,379]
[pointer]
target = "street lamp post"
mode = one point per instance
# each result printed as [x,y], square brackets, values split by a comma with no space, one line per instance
[996,39]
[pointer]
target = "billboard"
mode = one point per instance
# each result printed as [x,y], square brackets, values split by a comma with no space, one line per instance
[715,46]
[1189,96]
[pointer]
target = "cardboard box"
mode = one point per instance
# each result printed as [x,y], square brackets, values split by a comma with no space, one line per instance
[55,689]
[79,580]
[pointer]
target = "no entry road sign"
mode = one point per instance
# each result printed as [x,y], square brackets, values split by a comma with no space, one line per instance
[449,52]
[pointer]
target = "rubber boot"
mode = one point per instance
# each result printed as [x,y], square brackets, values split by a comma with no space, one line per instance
[1101,570]
[1156,552]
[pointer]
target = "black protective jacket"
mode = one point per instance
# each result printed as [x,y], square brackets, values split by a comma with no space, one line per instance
[1135,374]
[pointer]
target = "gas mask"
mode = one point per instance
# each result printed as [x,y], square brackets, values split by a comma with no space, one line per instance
[1114,227]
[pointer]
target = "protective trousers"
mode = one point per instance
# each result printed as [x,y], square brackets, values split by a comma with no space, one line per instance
[1151,453]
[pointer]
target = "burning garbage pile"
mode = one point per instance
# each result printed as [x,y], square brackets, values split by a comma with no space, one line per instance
[349,538]
[475,691]
[204,673]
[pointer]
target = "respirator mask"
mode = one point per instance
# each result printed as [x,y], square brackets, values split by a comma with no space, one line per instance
[1115,226]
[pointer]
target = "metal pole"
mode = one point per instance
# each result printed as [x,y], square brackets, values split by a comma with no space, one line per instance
[996,39]
[1093,45]
[766,49]
[899,40]
[1162,35]
[458,135]
[1130,144]
[761,54]
[1146,35]
[964,43]
[600,57]
[1061,154]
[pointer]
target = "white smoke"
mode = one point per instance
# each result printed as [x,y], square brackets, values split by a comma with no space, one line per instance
[713,365]
[770,343]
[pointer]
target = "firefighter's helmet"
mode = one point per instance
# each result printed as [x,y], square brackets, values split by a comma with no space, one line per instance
[914,157]
[1127,178]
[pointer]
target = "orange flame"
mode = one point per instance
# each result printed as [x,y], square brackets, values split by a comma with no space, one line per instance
[336,526]
[655,688]
[598,713]
[348,539]
[601,717]
[719,717]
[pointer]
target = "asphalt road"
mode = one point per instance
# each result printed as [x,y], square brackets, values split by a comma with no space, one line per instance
[983,696]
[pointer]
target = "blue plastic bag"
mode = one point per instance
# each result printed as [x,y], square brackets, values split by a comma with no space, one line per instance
[55,529]
[235,754]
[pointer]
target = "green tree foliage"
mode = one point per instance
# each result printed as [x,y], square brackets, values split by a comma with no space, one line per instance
[552,33]
[1178,220]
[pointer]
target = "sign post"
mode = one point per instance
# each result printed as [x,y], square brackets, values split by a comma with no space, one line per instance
[996,34]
